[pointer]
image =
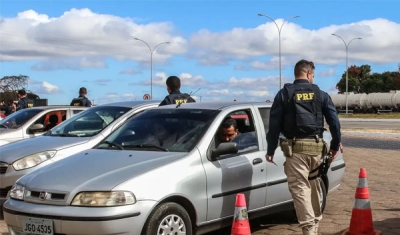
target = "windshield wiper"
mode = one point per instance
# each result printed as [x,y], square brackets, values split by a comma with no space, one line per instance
[2,125]
[147,146]
[65,135]
[113,144]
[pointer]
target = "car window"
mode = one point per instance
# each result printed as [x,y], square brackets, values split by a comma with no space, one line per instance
[76,111]
[175,130]
[49,119]
[264,112]
[19,118]
[90,122]
[245,135]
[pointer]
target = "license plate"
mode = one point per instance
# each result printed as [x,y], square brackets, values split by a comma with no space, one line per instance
[37,226]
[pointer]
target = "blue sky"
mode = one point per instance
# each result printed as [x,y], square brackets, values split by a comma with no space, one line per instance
[222,47]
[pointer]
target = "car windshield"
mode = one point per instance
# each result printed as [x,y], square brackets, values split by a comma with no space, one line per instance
[89,122]
[19,118]
[174,130]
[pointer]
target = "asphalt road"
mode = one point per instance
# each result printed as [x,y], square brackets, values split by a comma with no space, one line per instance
[378,124]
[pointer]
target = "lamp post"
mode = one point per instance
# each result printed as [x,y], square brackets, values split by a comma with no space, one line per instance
[151,63]
[347,74]
[279,32]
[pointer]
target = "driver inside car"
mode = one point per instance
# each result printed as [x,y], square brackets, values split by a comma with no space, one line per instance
[228,132]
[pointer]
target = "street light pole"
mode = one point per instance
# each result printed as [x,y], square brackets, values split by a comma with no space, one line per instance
[151,63]
[347,68]
[279,35]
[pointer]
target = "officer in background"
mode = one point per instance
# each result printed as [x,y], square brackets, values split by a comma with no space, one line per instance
[175,96]
[82,100]
[298,111]
[23,102]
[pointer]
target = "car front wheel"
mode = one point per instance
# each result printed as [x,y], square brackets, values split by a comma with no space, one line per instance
[168,219]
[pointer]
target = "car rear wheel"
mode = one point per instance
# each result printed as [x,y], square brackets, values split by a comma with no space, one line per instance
[168,219]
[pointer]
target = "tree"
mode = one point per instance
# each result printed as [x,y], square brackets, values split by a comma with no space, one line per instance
[9,85]
[362,81]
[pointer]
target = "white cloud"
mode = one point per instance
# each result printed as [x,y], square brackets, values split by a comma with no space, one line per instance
[129,71]
[45,88]
[327,73]
[70,63]
[116,97]
[83,33]
[297,42]
[187,79]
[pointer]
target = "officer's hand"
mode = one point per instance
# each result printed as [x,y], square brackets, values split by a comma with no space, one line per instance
[334,154]
[270,158]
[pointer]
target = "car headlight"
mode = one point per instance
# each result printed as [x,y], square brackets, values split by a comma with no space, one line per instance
[17,192]
[33,160]
[103,199]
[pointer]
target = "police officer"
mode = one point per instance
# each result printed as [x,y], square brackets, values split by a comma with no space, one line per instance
[175,96]
[23,102]
[82,100]
[298,112]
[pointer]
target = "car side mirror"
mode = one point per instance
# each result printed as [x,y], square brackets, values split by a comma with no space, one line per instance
[36,127]
[224,148]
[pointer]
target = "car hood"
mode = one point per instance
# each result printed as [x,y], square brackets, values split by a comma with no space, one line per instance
[16,150]
[95,170]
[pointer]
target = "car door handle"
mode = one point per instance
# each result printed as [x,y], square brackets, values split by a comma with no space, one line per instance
[257,161]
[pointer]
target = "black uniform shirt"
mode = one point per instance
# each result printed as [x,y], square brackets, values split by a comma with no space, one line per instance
[169,99]
[277,117]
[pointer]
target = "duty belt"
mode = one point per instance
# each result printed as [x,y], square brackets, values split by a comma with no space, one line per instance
[308,145]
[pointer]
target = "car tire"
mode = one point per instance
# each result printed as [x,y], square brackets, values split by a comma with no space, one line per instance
[168,212]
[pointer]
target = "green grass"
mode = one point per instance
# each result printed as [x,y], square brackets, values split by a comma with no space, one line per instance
[372,116]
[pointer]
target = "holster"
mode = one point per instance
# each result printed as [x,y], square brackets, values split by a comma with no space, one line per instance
[286,146]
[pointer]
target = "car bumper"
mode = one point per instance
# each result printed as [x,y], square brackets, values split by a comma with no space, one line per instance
[71,220]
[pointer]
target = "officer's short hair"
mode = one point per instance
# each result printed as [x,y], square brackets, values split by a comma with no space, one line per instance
[21,92]
[82,91]
[173,83]
[228,123]
[303,66]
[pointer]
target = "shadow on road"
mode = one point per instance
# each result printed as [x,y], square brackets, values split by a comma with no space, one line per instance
[258,224]
[389,226]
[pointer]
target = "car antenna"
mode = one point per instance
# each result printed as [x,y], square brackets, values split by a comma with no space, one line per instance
[190,94]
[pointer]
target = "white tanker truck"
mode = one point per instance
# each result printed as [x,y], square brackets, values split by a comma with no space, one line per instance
[368,103]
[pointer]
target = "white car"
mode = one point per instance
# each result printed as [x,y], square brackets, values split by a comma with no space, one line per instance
[81,132]
[32,122]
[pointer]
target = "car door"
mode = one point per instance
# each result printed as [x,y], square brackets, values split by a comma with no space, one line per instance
[243,172]
[44,119]
[277,187]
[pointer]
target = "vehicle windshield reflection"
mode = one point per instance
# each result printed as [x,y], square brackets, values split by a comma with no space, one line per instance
[173,130]
[89,122]
[17,119]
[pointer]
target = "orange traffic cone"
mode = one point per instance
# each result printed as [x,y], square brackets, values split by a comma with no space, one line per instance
[361,217]
[241,225]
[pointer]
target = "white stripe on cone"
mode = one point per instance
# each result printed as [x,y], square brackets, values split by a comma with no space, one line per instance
[362,183]
[362,204]
[240,213]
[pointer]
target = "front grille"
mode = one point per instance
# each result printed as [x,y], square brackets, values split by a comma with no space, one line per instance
[3,167]
[4,192]
[52,196]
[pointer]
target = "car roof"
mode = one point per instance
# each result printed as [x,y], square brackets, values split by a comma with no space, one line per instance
[55,107]
[214,105]
[131,103]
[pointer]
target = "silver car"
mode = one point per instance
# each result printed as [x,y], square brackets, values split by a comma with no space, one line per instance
[83,131]
[164,171]
[32,122]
